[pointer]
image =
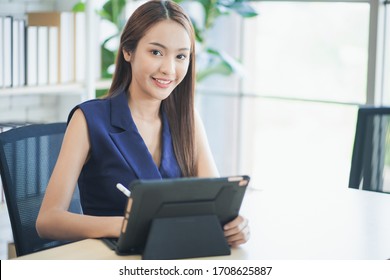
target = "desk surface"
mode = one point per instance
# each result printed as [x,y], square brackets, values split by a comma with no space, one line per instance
[290,224]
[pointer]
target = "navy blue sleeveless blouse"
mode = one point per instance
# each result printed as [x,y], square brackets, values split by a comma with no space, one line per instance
[118,154]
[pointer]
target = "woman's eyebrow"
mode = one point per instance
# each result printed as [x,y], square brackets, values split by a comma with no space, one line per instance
[164,47]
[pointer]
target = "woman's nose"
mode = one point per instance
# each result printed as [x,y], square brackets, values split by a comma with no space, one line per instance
[168,66]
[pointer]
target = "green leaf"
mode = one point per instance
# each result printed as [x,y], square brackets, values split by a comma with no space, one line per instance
[199,33]
[221,68]
[114,9]
[210,9]
[104,15]
[220,63]
[233,63]
[243,9]
[108,58]
[79,7]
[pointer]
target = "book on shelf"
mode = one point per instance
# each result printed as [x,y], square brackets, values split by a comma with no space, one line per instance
[22,48]
[15,53]
[42,48]
[6,54]
[64,46]
[53,55]
[12,52]
[18,52]
[32,55]
[43,55]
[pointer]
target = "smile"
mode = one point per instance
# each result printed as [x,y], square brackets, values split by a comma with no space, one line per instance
[162,83]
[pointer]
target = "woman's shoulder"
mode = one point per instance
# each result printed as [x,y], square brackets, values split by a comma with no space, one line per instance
[94,104]
[94,107]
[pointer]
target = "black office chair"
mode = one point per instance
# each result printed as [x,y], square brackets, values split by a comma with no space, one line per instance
[370,166]
[27,158]
[4,127]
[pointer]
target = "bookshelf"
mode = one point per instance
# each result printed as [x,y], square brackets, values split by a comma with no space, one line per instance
[67,92]
[57,89]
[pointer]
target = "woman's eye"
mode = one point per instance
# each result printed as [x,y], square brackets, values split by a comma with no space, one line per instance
[181,56]
[156,52]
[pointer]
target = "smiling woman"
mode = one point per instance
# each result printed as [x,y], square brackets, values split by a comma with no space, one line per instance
[146,128]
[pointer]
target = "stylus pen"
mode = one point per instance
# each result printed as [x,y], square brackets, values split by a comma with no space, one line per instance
[123,189]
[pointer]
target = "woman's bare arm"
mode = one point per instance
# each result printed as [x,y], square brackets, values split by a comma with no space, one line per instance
[54,221]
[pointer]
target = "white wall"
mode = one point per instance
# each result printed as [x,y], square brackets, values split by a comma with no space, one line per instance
[36,108]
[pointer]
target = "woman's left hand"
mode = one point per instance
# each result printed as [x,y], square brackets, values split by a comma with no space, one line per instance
[237,231]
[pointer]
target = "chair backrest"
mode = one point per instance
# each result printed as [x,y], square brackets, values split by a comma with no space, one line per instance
[27,158]
[370,166]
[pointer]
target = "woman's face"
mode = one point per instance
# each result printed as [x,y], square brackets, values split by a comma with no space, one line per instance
[160,61]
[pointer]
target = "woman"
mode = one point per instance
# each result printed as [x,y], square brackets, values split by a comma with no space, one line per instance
[145,128]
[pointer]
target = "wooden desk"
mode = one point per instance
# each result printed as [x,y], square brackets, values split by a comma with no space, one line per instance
[93,249]
[290,224]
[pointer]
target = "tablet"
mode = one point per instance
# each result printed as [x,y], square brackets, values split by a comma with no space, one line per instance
[181,197]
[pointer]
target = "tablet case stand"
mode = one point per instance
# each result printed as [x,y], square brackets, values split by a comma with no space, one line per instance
[185,237]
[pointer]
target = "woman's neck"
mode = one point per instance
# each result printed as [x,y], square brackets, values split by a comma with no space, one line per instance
[142,109]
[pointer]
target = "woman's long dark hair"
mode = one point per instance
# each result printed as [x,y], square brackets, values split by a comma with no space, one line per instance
[179,106]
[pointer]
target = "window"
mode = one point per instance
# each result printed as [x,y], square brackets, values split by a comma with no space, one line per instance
[309,50]
[306,71]
[292,120]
